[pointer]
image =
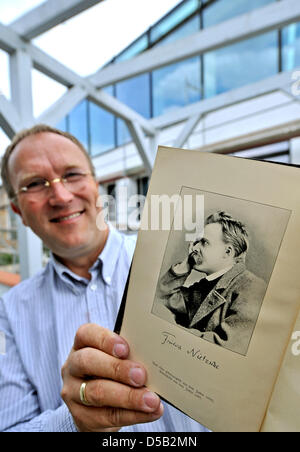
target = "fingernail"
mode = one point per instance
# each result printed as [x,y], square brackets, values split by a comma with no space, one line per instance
[137,376]
[151,400]
[120,351]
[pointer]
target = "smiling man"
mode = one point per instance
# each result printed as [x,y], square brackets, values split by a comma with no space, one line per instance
[56,197]
[224,305]
[64,369]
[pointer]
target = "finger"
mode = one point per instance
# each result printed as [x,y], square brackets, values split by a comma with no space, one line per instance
[95,336]
[95,363]
[98,419]
[102,393]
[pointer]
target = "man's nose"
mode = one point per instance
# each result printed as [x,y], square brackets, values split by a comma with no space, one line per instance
[59,194]
[197,246]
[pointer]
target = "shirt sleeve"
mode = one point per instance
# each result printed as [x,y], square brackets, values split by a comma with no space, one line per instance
[19,406]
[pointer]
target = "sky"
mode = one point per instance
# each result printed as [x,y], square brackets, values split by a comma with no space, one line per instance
[83,43]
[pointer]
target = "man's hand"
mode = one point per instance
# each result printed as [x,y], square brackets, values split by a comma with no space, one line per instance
[186,265]
[115,386]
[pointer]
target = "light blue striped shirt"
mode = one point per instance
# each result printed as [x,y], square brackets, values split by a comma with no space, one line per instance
[38,321]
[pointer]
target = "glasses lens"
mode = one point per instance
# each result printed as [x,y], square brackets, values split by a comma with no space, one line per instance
[36,186]
[74,181]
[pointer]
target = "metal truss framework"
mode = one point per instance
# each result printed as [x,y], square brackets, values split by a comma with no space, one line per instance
[24,55]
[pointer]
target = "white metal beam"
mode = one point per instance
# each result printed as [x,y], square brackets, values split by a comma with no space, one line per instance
[141,144]
[283,132]
[49,66]
[21,86]
[251,24]
[187,130]
[9,118]
[62,106]
[48,15]
[9,40]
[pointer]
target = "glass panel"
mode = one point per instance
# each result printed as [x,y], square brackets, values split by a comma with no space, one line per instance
[240,64]
[102,131]
[123,134]
[143,184]
[176,85]
[291,47]
[78,123]
[174,18]
[223,10]
[135,93]
[109,89]
[4,74]
[188,28]
[137,47]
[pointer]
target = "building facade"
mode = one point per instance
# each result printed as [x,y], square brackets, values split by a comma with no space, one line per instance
[195,82]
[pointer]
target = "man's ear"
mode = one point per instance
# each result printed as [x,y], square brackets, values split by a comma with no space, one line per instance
[229,251]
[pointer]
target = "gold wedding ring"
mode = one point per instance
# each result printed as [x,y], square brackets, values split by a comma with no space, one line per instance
[82,396]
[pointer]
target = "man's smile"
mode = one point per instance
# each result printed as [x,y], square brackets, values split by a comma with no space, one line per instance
[67,217]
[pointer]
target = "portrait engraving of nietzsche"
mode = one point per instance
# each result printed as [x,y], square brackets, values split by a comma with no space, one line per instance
[213,286]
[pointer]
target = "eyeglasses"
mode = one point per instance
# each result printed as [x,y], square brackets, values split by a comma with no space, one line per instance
[72,181]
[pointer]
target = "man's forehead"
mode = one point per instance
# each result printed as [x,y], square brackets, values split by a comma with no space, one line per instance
[213,231]
[43,146]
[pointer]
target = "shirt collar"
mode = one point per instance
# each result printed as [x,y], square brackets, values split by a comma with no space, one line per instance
[218,274]
[106,260]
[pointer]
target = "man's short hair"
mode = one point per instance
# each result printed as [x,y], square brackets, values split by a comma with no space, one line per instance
[234,232]
[38,128]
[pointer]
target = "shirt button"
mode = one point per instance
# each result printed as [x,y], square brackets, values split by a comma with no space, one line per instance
[93,287]
[108,279]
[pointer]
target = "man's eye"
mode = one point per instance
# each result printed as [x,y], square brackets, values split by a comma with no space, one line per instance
[36,184]
[73,175]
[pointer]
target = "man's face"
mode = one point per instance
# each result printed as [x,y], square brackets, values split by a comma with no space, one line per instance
[210,254]
[64,220]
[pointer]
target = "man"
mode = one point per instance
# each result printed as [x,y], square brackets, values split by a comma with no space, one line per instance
[59,323]
[223,306]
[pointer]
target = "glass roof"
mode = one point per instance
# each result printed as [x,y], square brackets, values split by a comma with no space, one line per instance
[87,41]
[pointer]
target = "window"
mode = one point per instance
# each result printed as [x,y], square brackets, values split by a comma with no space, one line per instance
[134,49]
[174,18]
[135,93]
[78,123]
[291,47]
[142,185]
[102,132]
[176,85]
[188,28]
[240,64]
[223,10]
